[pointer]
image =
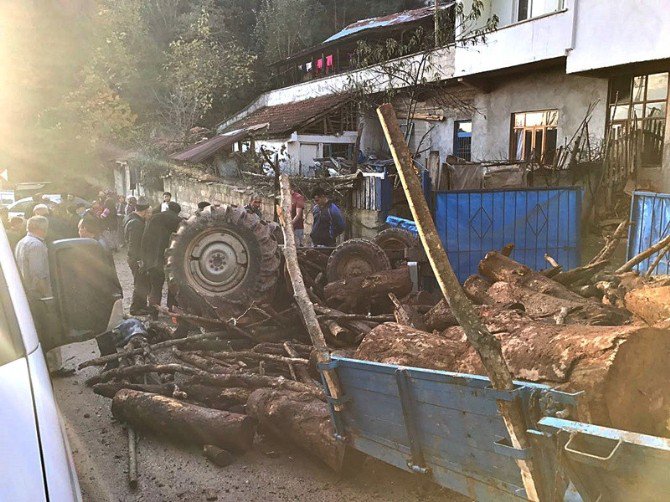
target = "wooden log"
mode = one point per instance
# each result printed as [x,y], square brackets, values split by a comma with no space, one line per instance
[200,362]
[542,306]
[250,381]
[623,370]
[357,326]
[110,389]
[218,456]
[650,304]
[184,422]
[299,418]
[440,317]
[570,276]
[497,268]
[100,361]
[300,294]
[143,369]
[628,266]
[476,288]
[216,397]
[611,243]
[302,372]
[358,294]
[485,345]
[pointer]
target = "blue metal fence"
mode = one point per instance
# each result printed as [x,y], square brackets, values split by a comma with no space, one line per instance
[537,221]
[650,214]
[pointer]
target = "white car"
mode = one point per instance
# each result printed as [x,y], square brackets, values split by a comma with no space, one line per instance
[35,459]
[19,207]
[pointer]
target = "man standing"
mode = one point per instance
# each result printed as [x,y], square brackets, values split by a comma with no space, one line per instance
[32,258]
[328,220]
[155,241]
[167,197]
[298,215]
[133,230]
[255,205]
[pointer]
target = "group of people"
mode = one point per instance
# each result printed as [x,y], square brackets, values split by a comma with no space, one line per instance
[147,235]
[328,221]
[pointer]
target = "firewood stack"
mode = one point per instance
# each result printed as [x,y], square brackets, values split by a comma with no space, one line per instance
[585,329]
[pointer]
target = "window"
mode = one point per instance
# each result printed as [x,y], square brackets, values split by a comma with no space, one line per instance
[527,9]
[534,136]
[637,108]
[462,139]
[341,150]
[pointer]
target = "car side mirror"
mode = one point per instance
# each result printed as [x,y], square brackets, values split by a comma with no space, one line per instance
[87,295]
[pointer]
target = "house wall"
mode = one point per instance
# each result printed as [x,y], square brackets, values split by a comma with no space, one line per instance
[616,33]
[571,95]
[538,39]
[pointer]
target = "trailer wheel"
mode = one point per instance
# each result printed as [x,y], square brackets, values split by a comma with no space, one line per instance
[394,242]
[354,258]
[222,259]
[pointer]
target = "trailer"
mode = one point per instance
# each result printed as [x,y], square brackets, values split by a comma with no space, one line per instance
[446,427]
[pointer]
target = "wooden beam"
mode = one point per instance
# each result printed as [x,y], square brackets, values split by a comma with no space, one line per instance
[486,345]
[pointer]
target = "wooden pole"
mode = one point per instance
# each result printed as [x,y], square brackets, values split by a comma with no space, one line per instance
[486,345]
[300,291]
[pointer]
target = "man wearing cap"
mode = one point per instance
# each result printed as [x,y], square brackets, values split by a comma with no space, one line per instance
[133,230]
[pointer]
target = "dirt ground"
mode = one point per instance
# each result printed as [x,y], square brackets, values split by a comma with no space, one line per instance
[169,472]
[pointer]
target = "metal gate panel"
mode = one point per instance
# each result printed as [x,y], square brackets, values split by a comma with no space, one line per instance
[650,216]
[537,221]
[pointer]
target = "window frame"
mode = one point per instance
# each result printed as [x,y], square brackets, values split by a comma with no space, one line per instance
[623,125]
[544,128]
[456,152]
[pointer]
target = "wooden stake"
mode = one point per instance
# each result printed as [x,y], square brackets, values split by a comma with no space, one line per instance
[486,345]
[300,292]
[132,458]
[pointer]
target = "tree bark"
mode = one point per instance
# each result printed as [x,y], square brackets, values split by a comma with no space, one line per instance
[182,421]
[440,317]
[358,294]
[623,370]
[299,418]
[575,274]
[497,267]
[541,306]
[649,304]
[476,288]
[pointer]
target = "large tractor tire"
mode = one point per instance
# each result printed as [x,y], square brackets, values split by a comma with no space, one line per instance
[394,242]
[356,257]
[222,259]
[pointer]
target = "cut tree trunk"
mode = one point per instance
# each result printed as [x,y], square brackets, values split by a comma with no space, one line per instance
[476,288]
[184,422]
[649,304]
[109,390]
[299,418]
[440,317]
[541,306]
[358,294]
[623,370]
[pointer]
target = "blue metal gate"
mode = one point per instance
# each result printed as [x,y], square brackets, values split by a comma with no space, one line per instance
[650,214]
[537,221]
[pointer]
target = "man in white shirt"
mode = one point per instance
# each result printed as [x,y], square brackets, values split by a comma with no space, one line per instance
[165,205]
[32,258]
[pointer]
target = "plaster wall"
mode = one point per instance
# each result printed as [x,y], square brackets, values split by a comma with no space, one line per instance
[569,94]
[615,33]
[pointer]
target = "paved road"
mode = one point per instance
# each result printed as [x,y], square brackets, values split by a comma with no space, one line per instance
[169,472]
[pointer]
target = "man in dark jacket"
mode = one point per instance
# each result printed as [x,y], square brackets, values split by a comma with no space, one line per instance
[328,220]
[133,230]
[155,241]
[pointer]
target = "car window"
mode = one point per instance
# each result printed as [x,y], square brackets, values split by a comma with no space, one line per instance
[11,344]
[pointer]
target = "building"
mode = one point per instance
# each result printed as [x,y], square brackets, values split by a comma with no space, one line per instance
[517,95]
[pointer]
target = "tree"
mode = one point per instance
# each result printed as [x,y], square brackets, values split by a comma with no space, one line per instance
[199,71]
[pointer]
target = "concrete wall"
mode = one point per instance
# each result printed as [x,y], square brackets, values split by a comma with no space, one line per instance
[615,33]
[538,39]
[569,94]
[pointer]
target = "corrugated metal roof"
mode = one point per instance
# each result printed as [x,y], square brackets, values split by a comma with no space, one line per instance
[289,117]
[206,149]
[398,18]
